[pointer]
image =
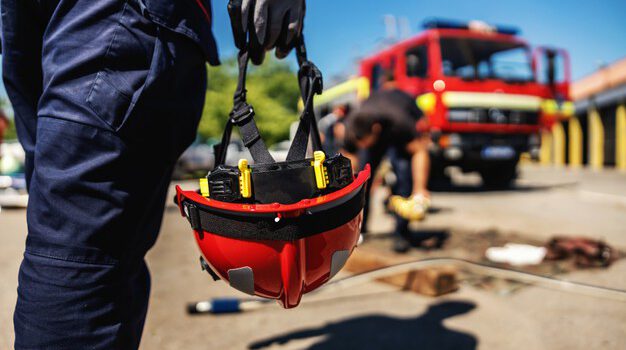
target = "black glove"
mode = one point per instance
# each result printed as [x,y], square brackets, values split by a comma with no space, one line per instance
[267,24]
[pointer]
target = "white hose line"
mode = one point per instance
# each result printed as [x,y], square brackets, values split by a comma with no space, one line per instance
[477,268]
[251,304]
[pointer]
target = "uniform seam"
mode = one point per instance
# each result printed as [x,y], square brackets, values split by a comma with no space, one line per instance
[103,65]
[69,258]
[115,34]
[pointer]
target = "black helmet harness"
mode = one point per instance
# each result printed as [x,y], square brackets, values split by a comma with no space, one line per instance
[268,181]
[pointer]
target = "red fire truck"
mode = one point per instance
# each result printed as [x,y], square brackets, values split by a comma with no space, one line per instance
[484,93]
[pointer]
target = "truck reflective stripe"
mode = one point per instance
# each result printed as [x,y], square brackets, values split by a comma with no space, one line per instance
[358,86]
[363,89]
[455,99]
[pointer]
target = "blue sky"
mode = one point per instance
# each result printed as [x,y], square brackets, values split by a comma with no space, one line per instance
[339,31]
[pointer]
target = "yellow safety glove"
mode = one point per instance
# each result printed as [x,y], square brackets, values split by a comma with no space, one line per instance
[413,208]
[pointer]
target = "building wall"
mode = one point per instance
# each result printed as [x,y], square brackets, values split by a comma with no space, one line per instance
[596,135]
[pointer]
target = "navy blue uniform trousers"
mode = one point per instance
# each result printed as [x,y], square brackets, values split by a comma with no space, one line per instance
[401,164]
[105,101]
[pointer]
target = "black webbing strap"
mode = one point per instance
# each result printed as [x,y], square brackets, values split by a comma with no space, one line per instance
[220,151]
[194,216]
[242,116]
[250,227]
[311,83]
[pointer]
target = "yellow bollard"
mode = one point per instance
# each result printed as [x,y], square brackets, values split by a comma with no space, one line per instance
[545,153]
[620,137]
[575,145]
[558,138]
[596,140]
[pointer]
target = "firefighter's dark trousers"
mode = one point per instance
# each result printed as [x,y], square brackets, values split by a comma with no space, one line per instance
[105,101]
[403,186]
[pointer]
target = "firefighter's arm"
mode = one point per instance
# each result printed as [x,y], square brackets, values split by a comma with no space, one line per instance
[267,24]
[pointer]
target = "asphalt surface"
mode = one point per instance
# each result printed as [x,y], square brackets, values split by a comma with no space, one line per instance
[544,202]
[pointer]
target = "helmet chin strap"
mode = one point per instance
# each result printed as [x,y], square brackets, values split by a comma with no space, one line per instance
[242,115]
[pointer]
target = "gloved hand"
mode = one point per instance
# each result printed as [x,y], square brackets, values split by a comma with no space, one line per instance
[413,208]
[268,24]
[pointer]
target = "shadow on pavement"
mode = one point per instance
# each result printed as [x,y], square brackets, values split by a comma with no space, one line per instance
[438,210]
[449,186]
[480,188]
[425,331]
[420,239]
[428,238]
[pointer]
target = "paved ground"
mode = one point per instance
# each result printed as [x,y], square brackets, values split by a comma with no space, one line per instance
[374,316]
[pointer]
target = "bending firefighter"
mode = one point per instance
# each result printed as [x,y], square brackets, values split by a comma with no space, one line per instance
[385,126]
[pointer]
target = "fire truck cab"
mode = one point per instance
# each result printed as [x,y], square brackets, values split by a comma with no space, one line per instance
[485,95]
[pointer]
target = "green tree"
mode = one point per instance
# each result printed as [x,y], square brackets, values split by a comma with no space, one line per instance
[272,90]
[10,133]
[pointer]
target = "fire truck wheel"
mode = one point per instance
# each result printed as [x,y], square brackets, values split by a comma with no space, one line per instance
[499,175]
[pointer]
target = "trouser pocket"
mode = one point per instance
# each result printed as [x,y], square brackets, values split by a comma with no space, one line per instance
[131,58]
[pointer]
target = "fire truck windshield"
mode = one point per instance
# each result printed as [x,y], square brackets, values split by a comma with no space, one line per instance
[486,59]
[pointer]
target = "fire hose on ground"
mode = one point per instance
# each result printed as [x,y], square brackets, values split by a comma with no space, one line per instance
[235,305]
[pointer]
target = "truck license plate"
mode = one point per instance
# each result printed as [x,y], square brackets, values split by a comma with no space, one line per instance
[498,152]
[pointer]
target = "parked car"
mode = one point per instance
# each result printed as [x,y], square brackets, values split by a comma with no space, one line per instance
[279,151]
[199,158]
[12,158]
[236,150]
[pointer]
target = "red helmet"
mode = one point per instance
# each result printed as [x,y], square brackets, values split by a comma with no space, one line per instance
[277,229]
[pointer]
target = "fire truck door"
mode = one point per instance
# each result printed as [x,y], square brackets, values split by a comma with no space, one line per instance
[552,69]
